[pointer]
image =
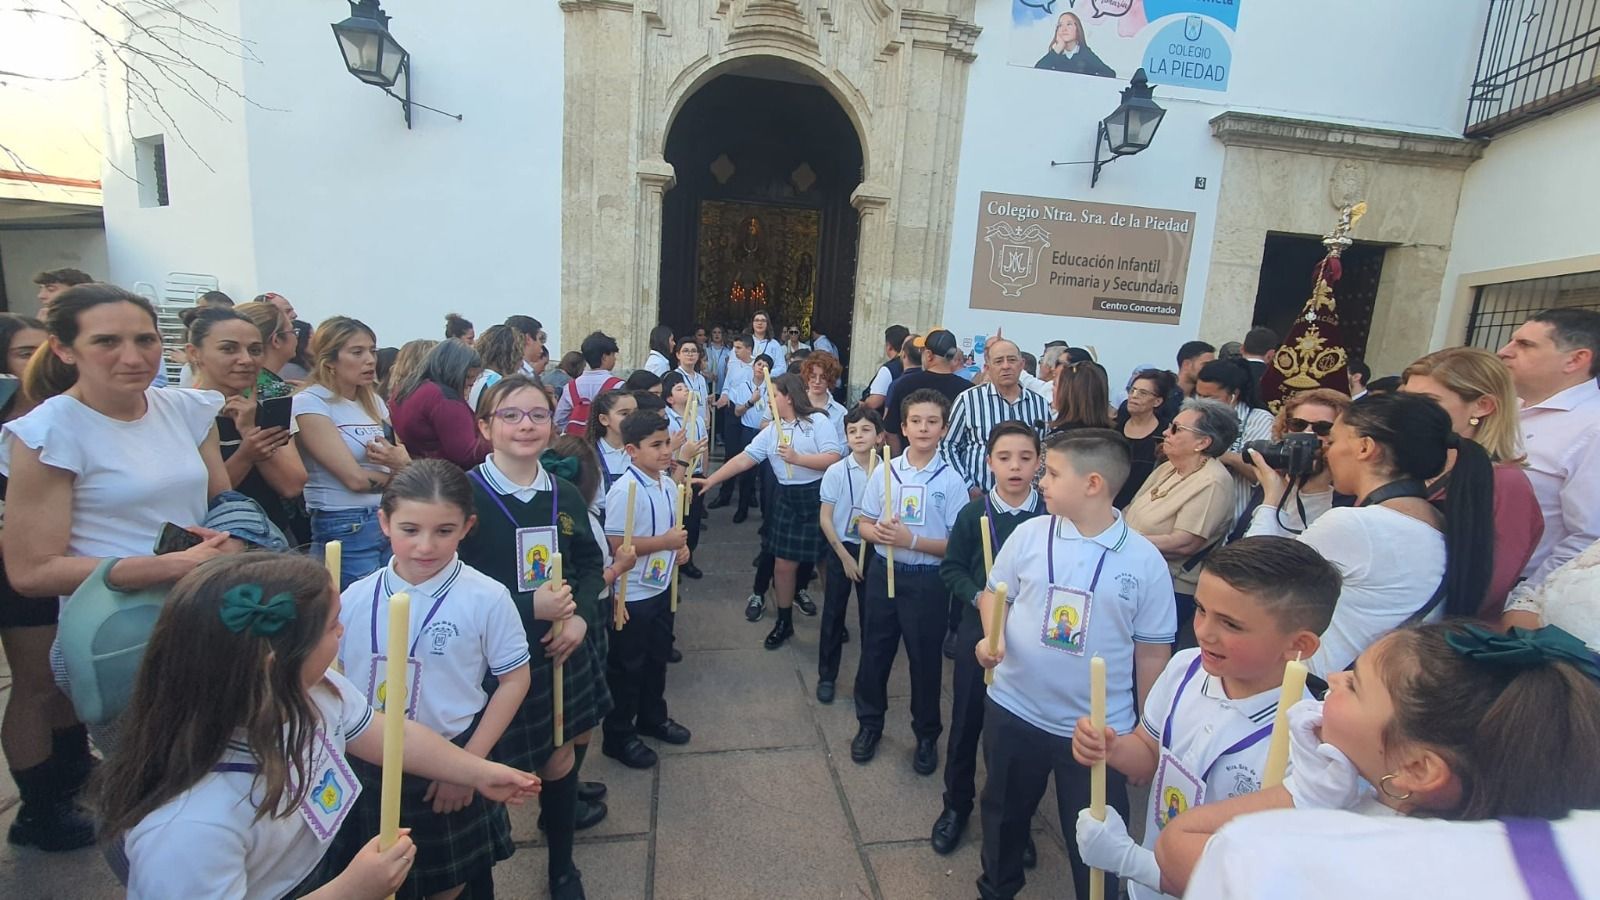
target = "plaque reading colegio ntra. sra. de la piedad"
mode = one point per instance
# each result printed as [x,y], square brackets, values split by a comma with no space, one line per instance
[1074,258]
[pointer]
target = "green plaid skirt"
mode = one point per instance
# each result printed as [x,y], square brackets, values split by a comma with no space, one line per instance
[528,740]
[795,530]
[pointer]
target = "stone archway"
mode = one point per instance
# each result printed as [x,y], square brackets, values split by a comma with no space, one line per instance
[629,65]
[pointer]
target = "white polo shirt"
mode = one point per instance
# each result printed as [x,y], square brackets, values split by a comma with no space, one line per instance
[1562,437]
[845,485]
[655,510]
[943,492]
[207,841]
[814,434]
[614,462]
[1044,678]
[836,413]
[1216,738]
[463,625]
[698,386]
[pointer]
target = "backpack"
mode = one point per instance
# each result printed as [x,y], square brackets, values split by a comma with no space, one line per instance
[578,422]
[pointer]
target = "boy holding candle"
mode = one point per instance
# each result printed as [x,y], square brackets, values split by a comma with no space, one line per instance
[844,486]
[925,496]
[1260,603]
[1013,458]
[636,664]
[1083,585]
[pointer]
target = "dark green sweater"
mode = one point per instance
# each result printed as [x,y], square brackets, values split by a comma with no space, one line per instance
[962,569]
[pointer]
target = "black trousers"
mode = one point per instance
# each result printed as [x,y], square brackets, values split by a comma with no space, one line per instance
[834,603]
[636,668]
[692,518]
[1021,759]
[736,437]
[917,613]
[966,716]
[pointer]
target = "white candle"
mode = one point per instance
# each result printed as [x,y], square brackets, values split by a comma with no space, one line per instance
[1294,689]
[394,719]
[1097,775]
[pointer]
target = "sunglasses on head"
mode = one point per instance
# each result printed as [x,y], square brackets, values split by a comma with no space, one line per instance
[1296,425]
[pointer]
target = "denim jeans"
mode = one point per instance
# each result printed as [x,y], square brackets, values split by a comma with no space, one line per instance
[365,546]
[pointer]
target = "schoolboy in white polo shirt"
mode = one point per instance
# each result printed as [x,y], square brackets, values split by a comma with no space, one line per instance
[844,488]
[1260,602]
[927,495]
[1082,584]
[636,661]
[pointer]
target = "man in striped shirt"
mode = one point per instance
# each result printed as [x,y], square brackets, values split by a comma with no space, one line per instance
[1000,399]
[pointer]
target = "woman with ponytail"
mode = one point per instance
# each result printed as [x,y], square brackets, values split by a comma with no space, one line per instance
[1404,560]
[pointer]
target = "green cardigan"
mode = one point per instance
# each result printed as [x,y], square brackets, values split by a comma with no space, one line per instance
[962,569]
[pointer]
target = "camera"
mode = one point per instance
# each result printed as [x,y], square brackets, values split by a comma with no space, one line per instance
[1295,455]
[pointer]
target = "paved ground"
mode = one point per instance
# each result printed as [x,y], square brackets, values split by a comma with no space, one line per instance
[764,802]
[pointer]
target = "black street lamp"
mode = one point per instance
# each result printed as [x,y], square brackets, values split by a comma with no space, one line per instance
[1129,129]
[373,55]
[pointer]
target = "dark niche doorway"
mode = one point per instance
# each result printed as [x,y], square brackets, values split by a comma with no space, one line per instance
[1285,285]
[760,216]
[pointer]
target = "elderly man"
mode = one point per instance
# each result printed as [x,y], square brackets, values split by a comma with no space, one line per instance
[976,412]
[1554,358]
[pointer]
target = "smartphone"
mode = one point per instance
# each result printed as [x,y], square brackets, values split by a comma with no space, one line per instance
[175,539]
[275,413]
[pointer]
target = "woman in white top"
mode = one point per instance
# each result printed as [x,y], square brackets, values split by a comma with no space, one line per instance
[1403,560]
[661,347]
[1232,381]
[234,779]
[345,439]
[801,445]
[764,341]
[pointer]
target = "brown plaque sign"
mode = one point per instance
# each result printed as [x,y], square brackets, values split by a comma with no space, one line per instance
[1074,258]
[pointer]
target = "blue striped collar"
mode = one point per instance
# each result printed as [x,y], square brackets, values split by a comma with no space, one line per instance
[434,587]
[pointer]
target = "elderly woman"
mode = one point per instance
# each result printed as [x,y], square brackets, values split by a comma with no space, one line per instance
[1186,505]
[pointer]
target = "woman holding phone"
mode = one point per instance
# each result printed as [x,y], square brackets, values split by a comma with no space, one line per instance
[226,351]
[346,438]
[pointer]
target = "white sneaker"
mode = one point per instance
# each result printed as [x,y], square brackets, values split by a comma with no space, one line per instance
[806,604]
[755,607]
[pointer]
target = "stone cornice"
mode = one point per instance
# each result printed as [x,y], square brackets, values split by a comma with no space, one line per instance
[952,34]
[1240,129]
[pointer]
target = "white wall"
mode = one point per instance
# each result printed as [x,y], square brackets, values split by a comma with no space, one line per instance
[24,254]
[1405,66]
[1533,198]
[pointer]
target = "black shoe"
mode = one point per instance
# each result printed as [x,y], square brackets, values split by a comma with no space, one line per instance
[926,760]
[568,887]
[633,753]
[690,570]
[947,831]
[675,656]
[806,604]
[720,502]
[950,645]
[1030,854]
[52,827]
[669,731]
[590,814]
[755,607]
[740,515]
[865,745]
[591,790]
[781,631]
[824,692]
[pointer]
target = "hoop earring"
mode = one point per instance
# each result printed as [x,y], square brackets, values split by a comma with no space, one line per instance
[1474,421]
[1383,785]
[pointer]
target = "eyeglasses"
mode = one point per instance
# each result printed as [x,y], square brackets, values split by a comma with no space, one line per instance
[1297,425]
[1174,428]
[510,415]
[1141,392]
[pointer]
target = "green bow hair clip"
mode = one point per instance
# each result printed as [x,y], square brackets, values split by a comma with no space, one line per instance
[1524,648]
[563,467]
[242,607]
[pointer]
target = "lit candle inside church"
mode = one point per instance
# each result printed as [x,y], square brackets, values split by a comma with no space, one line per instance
[1294,688]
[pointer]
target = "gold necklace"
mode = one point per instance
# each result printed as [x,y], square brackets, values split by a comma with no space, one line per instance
[1156,493]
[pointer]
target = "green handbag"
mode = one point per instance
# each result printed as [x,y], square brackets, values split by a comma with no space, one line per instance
[102,635]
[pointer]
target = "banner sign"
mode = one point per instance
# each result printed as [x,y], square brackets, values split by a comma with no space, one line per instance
[1179,43]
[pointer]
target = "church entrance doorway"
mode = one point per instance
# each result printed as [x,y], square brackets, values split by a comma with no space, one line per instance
[760,217]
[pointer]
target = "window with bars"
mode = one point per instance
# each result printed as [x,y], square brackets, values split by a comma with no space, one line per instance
[1537,56]
[150,159]
[1498,309]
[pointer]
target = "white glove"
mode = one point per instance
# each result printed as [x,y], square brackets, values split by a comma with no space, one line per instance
[1106,845]
[1320,775]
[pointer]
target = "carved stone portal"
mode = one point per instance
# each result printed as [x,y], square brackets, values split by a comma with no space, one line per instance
[897,67]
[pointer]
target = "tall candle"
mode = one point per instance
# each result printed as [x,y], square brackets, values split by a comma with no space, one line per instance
[627,541]
[333,558]
[682,502]
[394,719]
[888,510]
[777,423]
[1097,775]
[997,627]
[558,684]
[1294,689]
[988,545]
[861,549]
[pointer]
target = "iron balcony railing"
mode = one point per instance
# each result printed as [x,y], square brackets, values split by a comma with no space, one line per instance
[1537,56]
